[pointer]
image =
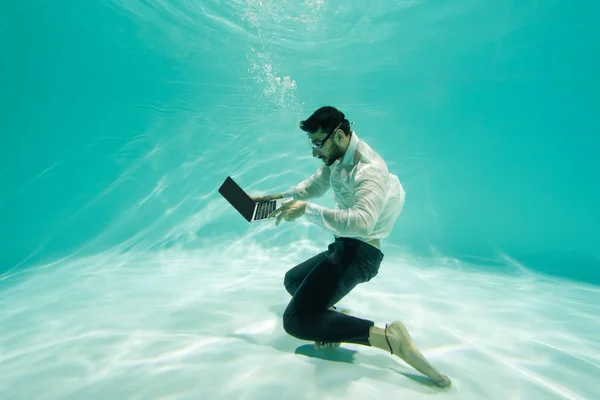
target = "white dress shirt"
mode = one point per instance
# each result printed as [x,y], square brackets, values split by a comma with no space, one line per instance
[368,199]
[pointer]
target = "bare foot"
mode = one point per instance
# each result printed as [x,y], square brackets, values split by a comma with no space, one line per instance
[443,382]
[402,346]
[331,345]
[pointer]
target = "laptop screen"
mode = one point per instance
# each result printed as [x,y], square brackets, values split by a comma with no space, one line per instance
[236,196]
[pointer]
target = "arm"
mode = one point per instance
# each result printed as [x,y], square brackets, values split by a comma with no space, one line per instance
[315,186]
[370,195]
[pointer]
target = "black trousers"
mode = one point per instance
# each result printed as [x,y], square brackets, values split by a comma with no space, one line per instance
[320,282]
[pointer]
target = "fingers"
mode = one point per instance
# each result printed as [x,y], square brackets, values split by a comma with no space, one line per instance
[288,216]
[282,212]
[282,208]
[273,213]
[261,199]
[279,219]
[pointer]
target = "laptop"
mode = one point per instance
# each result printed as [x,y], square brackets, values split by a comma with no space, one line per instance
[244,204]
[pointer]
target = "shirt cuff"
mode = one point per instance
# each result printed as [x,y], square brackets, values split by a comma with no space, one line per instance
[288,193]
[314,213]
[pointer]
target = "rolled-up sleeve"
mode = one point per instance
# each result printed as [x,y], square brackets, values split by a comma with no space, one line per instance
[370,195]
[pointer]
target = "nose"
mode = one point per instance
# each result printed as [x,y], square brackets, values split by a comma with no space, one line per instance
[315,153]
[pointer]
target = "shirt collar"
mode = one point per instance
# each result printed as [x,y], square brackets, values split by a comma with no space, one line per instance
[349,155]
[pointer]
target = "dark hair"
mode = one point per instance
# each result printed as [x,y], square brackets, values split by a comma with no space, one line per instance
[326,118]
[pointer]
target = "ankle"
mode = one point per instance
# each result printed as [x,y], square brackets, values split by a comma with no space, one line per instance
[377,338]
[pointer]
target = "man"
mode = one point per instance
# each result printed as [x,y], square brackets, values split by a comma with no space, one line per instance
[369,200]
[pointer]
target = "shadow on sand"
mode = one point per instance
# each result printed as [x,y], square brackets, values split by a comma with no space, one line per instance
[353,365]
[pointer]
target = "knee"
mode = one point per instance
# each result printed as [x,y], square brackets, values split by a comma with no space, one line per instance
[290,283]
[290,324]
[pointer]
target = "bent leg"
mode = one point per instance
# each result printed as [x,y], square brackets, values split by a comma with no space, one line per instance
[294,277]
[308,317]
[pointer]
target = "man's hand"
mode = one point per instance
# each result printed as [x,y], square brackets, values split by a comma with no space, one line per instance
[289,211]
[266,198]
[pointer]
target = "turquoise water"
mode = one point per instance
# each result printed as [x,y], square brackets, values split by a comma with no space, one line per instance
[121,118]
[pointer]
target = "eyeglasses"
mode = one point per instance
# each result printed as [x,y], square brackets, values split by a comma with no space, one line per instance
[317,144]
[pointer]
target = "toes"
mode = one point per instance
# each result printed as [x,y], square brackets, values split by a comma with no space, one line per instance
[444,382]
[326,345]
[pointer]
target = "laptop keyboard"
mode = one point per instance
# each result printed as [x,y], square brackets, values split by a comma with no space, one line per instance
[264,209]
